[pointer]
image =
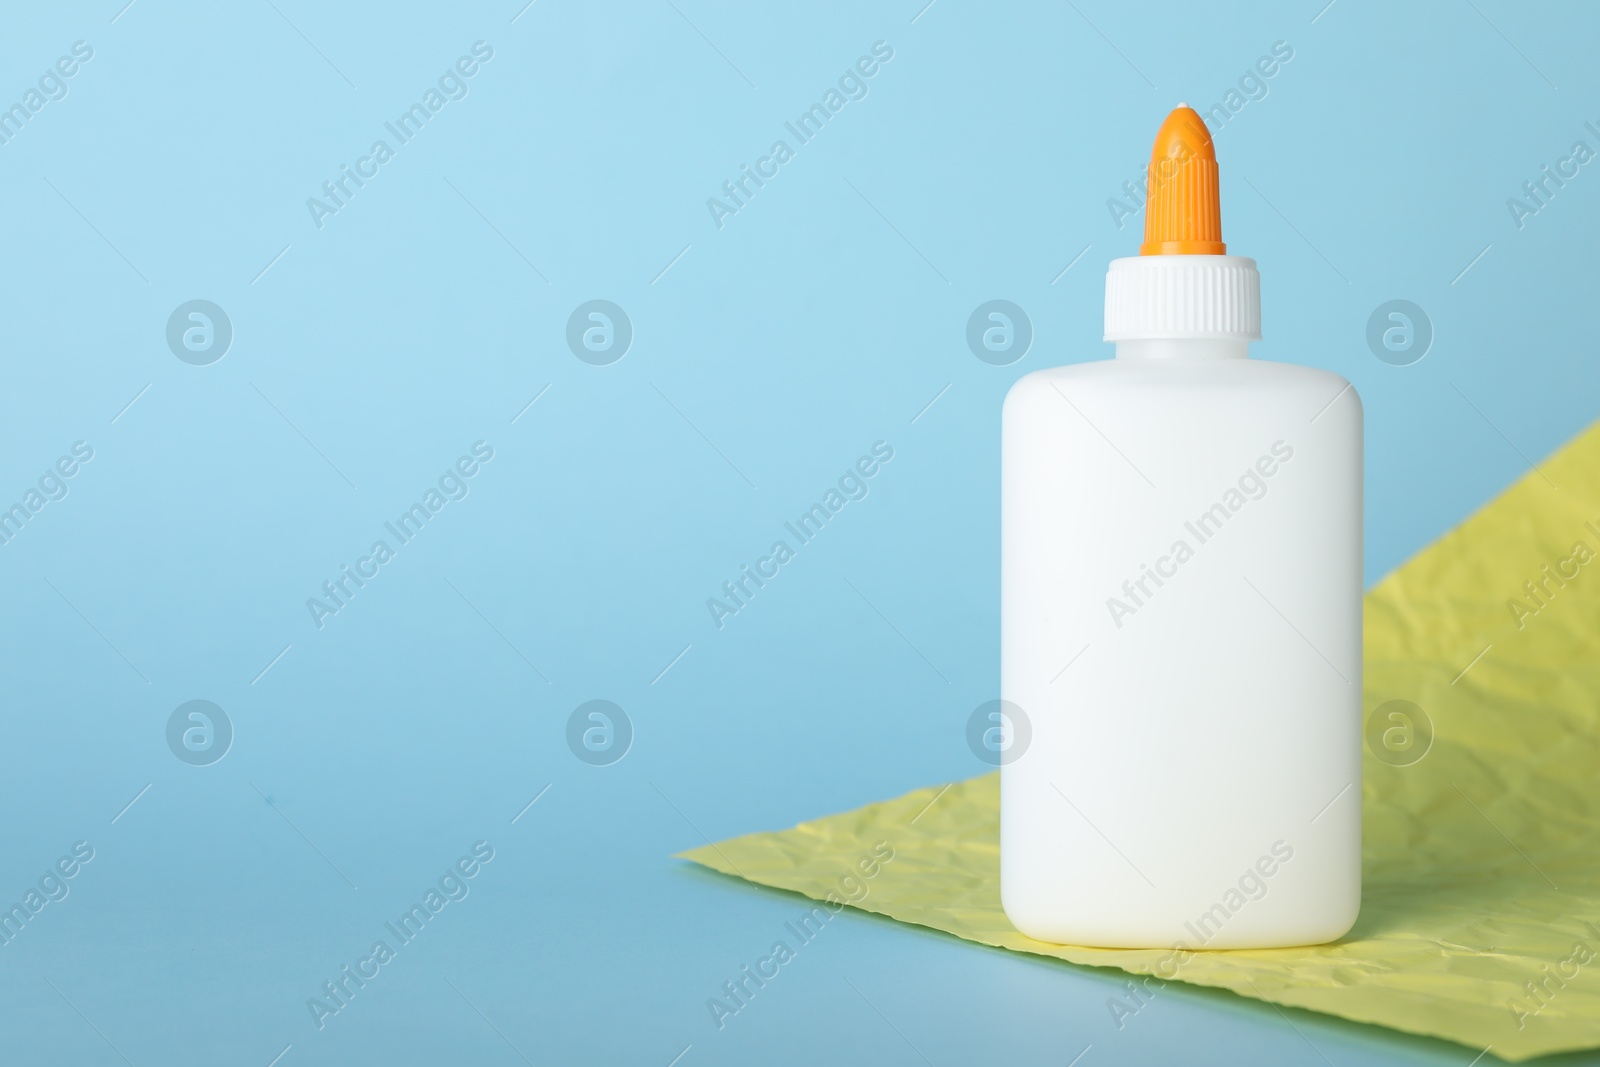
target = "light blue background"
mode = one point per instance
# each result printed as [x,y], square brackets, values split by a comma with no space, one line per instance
[820,319]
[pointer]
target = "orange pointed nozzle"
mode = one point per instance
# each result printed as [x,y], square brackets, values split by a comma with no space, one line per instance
[1184,214]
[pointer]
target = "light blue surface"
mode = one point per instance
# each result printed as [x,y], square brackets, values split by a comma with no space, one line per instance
[768,355]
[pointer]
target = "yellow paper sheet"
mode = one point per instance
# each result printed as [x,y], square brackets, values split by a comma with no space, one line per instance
[1481,860]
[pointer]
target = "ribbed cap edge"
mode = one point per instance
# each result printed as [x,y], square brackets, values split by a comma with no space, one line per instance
[1168,297]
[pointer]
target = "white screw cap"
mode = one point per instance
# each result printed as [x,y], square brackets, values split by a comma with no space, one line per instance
[1178,296]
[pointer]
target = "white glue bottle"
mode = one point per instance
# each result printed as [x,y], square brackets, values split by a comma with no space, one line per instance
[1181,612]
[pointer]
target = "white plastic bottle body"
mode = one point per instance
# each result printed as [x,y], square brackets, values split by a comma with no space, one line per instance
[1181,629]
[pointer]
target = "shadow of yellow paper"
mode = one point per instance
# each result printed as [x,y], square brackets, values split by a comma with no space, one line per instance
[1480,917]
